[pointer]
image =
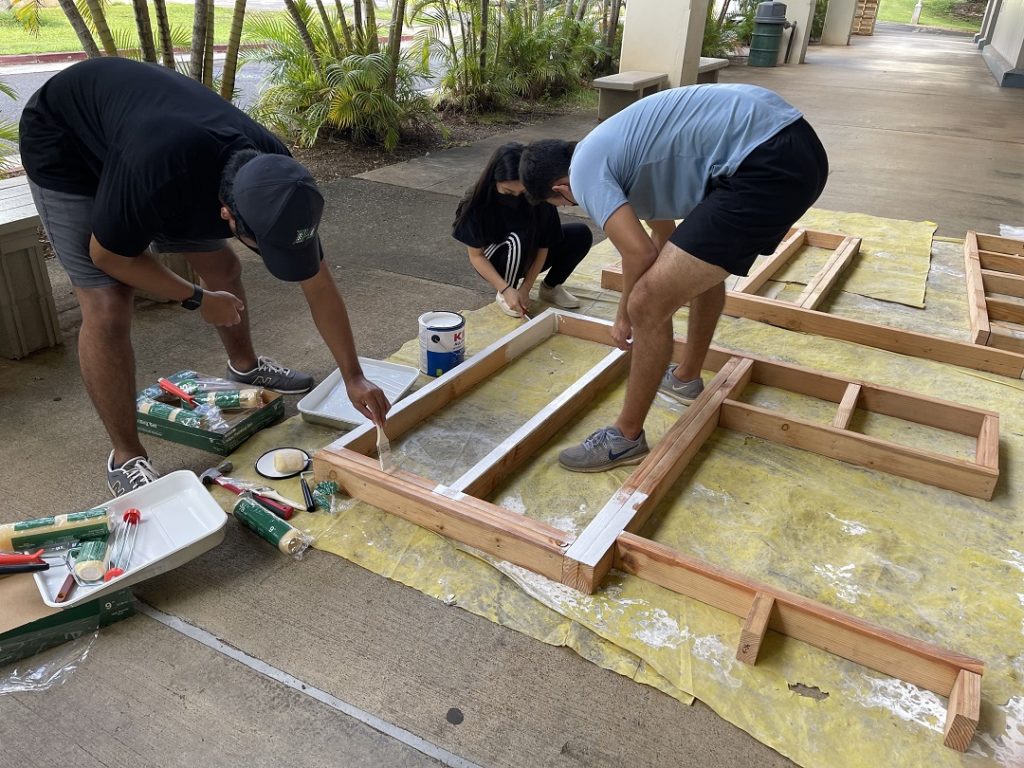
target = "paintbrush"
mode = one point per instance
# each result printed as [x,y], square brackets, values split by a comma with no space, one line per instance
[384,450]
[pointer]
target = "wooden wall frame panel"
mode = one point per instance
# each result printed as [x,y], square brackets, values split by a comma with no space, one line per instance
[611,539]
[821,284]
[897,340]
[994,265]
[793,242]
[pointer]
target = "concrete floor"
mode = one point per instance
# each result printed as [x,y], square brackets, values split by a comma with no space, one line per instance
[915,129]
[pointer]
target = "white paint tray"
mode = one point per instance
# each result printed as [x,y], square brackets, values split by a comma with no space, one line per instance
[180,521]
[329,404]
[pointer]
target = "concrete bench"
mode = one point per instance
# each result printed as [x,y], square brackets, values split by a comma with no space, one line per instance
[28,316]
[616,92]
[707,70]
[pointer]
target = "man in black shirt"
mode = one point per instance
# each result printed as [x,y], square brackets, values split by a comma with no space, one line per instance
[121,154]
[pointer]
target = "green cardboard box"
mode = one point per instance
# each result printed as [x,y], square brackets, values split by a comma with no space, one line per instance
[31,627]
[243,424]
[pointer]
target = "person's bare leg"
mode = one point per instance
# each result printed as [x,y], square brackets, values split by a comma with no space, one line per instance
[222,271]
[675,279]
[705,310]
[107,362]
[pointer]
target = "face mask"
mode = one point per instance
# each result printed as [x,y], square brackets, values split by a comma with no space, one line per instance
[509,201]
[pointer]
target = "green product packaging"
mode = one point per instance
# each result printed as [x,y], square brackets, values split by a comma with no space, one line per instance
[270,527]
[47,532]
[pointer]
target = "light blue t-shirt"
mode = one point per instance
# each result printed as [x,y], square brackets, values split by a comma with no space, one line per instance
[661,153]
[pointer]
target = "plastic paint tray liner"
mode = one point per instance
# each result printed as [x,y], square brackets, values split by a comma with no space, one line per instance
[180,521]
[329,404]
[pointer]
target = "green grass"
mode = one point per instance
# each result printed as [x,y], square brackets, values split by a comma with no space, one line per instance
[55,34]
[934,13]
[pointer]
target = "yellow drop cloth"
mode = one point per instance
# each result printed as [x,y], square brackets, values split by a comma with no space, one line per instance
[931,563]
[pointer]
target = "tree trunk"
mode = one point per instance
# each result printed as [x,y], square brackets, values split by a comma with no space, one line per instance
[344,25]
[395,42]
[582,10]
[79,26]
[99,21]
[146,46]
[540,12]
[613,30]
[208,47]
[227,80]
[332,39]
[303,30]
[163,27]
[484,13]
[371,27]
[570,9]
[195,64]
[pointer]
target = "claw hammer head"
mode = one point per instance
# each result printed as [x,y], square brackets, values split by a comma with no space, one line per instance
[213,474]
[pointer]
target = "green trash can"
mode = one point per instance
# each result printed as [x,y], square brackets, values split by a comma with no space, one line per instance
[769,21]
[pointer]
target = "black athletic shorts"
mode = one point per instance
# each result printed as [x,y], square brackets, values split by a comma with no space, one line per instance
[749,213]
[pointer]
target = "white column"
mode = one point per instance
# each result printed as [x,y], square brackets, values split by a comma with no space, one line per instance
[838,22]
[664,36]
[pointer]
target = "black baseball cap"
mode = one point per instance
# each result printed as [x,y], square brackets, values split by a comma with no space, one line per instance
[281,205]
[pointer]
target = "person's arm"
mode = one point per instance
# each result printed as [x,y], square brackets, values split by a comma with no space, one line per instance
[487,271]
[148,274]
[661,231]
[638,253]
[536,266]
[331,318]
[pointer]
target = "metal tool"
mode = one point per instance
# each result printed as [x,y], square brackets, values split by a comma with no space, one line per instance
[216,475]
[124,544]
[307,494]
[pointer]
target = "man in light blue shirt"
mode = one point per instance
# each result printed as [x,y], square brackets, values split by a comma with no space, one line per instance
[738,164]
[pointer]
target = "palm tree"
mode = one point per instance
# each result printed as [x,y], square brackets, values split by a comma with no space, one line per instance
[332,39]
[373,43]
[303,29]
[344,24]
[395,42]
[8,134]
[99,23]
[208,47]
[227,80]
[146,46]
[198,40]
[79,26]
[163,26]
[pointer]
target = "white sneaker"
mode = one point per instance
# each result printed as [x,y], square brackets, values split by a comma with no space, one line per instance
[505,307]
[557,296]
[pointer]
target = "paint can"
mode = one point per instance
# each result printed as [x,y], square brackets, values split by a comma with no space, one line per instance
[442,341]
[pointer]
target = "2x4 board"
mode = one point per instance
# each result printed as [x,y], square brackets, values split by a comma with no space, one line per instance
[995,290]
[460,511]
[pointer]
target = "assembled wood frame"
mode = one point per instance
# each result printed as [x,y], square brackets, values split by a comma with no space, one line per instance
[994,265]
[459,511]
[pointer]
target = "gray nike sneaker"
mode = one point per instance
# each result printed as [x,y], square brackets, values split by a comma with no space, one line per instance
[683,391]
[603,450]
[131,475]
[271,375]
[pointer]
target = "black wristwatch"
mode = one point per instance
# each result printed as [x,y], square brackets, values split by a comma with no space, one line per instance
[195,300]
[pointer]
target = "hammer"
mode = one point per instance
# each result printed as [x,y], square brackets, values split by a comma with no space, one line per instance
[216,475]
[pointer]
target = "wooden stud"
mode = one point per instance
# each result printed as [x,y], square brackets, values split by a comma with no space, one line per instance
[902,342]
[490,471]
[753,282]
[1001,282]
[1005,310]
[1001,262]
[821,284]
[976,306]
[922,664]
[953,474]
[633,503]
[987,451]
[506,535]
[964,711]
[846,408]
[1009,245]
[1002,338]
[755,627]
[829,240]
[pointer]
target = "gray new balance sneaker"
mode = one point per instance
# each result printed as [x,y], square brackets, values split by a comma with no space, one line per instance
[603,450]
[683,391]
[133,474]
[270,374]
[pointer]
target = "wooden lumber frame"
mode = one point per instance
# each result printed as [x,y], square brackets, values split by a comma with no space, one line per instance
[612,538]
[903,342]
[994,265]
[844,250]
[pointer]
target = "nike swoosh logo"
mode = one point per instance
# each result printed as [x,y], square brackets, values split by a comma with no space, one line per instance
[615,456]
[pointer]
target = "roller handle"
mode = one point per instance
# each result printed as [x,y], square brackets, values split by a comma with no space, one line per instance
[36,558]
[171,388]
[283,511]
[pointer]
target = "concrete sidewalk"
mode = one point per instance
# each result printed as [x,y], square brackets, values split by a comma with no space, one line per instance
[915,128]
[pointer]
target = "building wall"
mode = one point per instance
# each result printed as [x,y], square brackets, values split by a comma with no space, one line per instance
[1008,33]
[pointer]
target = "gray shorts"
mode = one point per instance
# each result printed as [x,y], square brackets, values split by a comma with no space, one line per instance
[67,221]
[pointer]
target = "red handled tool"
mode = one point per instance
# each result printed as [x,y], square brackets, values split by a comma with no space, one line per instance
[173,389]
[22,563]
[216,475]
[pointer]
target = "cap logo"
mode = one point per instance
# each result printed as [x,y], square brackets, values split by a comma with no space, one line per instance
[302,235]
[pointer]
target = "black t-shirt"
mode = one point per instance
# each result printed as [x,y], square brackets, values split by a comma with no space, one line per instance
[147,143]
[537,226]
